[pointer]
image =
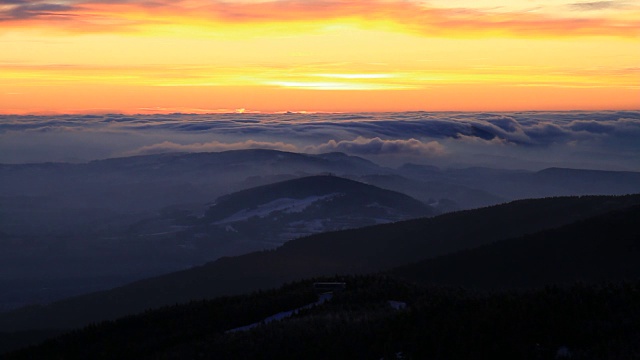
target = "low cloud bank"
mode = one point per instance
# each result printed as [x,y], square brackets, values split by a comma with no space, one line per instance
[214,146]
[377,146]
[604,139]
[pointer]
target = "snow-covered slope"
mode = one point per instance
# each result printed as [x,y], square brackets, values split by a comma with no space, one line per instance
[284,205]
[286,210]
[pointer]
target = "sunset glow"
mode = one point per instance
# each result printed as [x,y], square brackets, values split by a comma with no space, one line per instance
[344,55]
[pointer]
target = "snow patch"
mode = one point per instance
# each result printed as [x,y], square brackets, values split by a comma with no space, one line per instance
[309,226]
[377,205]
[397,305]
[286,205]
[322,298]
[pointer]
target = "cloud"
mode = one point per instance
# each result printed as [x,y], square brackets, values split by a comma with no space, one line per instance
[377,146]
[214,146]
[19,10]
[358,146]
[594,5]
[546,133]
[406,15]
[479,141]
[531,129]
[591,126]
[531,135]
[13,2]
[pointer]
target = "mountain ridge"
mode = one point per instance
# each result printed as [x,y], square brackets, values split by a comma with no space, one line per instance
[311,186]
[358,251]
[598,249]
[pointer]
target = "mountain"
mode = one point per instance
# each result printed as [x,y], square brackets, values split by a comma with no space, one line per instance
[294,208]
[520,184]
[365,250]
[581,181]
[513,184]
[108,251]
[269,215]
[98,218]
[598,249]
[67,229]
[443,195]
[149,182]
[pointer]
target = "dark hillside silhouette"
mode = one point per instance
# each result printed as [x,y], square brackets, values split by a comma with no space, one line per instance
[374,317]
[599,249]
[358,251]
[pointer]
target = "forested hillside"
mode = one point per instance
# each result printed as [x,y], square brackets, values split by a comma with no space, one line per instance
[602,248]
[375,317]
[357,251]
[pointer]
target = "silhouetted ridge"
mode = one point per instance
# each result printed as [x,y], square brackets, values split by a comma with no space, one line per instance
[582,181]
[366,250]
[373,317]
[598,249]
[570,171]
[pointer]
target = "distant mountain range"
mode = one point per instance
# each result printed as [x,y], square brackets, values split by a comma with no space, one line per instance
[443,195]
[517,184]
[150,182]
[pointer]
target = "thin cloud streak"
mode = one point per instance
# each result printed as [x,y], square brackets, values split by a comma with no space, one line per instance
[214,146]
[595,5]
[394,15]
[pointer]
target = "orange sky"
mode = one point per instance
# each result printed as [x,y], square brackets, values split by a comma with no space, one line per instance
[310,55]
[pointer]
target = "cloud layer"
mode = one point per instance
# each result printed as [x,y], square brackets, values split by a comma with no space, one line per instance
[377,146]
[213,146]
[414,16]
[594,139]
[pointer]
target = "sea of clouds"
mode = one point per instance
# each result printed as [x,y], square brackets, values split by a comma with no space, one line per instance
[527,140]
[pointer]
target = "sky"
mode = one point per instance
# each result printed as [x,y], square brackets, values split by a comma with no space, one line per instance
[209,56]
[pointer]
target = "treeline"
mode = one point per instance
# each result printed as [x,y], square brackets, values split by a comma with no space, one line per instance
[153,332]
[585,322]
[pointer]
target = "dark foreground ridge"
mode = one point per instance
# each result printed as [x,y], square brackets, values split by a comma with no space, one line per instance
[599,249]
[359,251]
[374,317]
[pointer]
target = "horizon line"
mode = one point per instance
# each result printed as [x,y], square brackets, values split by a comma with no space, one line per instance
[289,112]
